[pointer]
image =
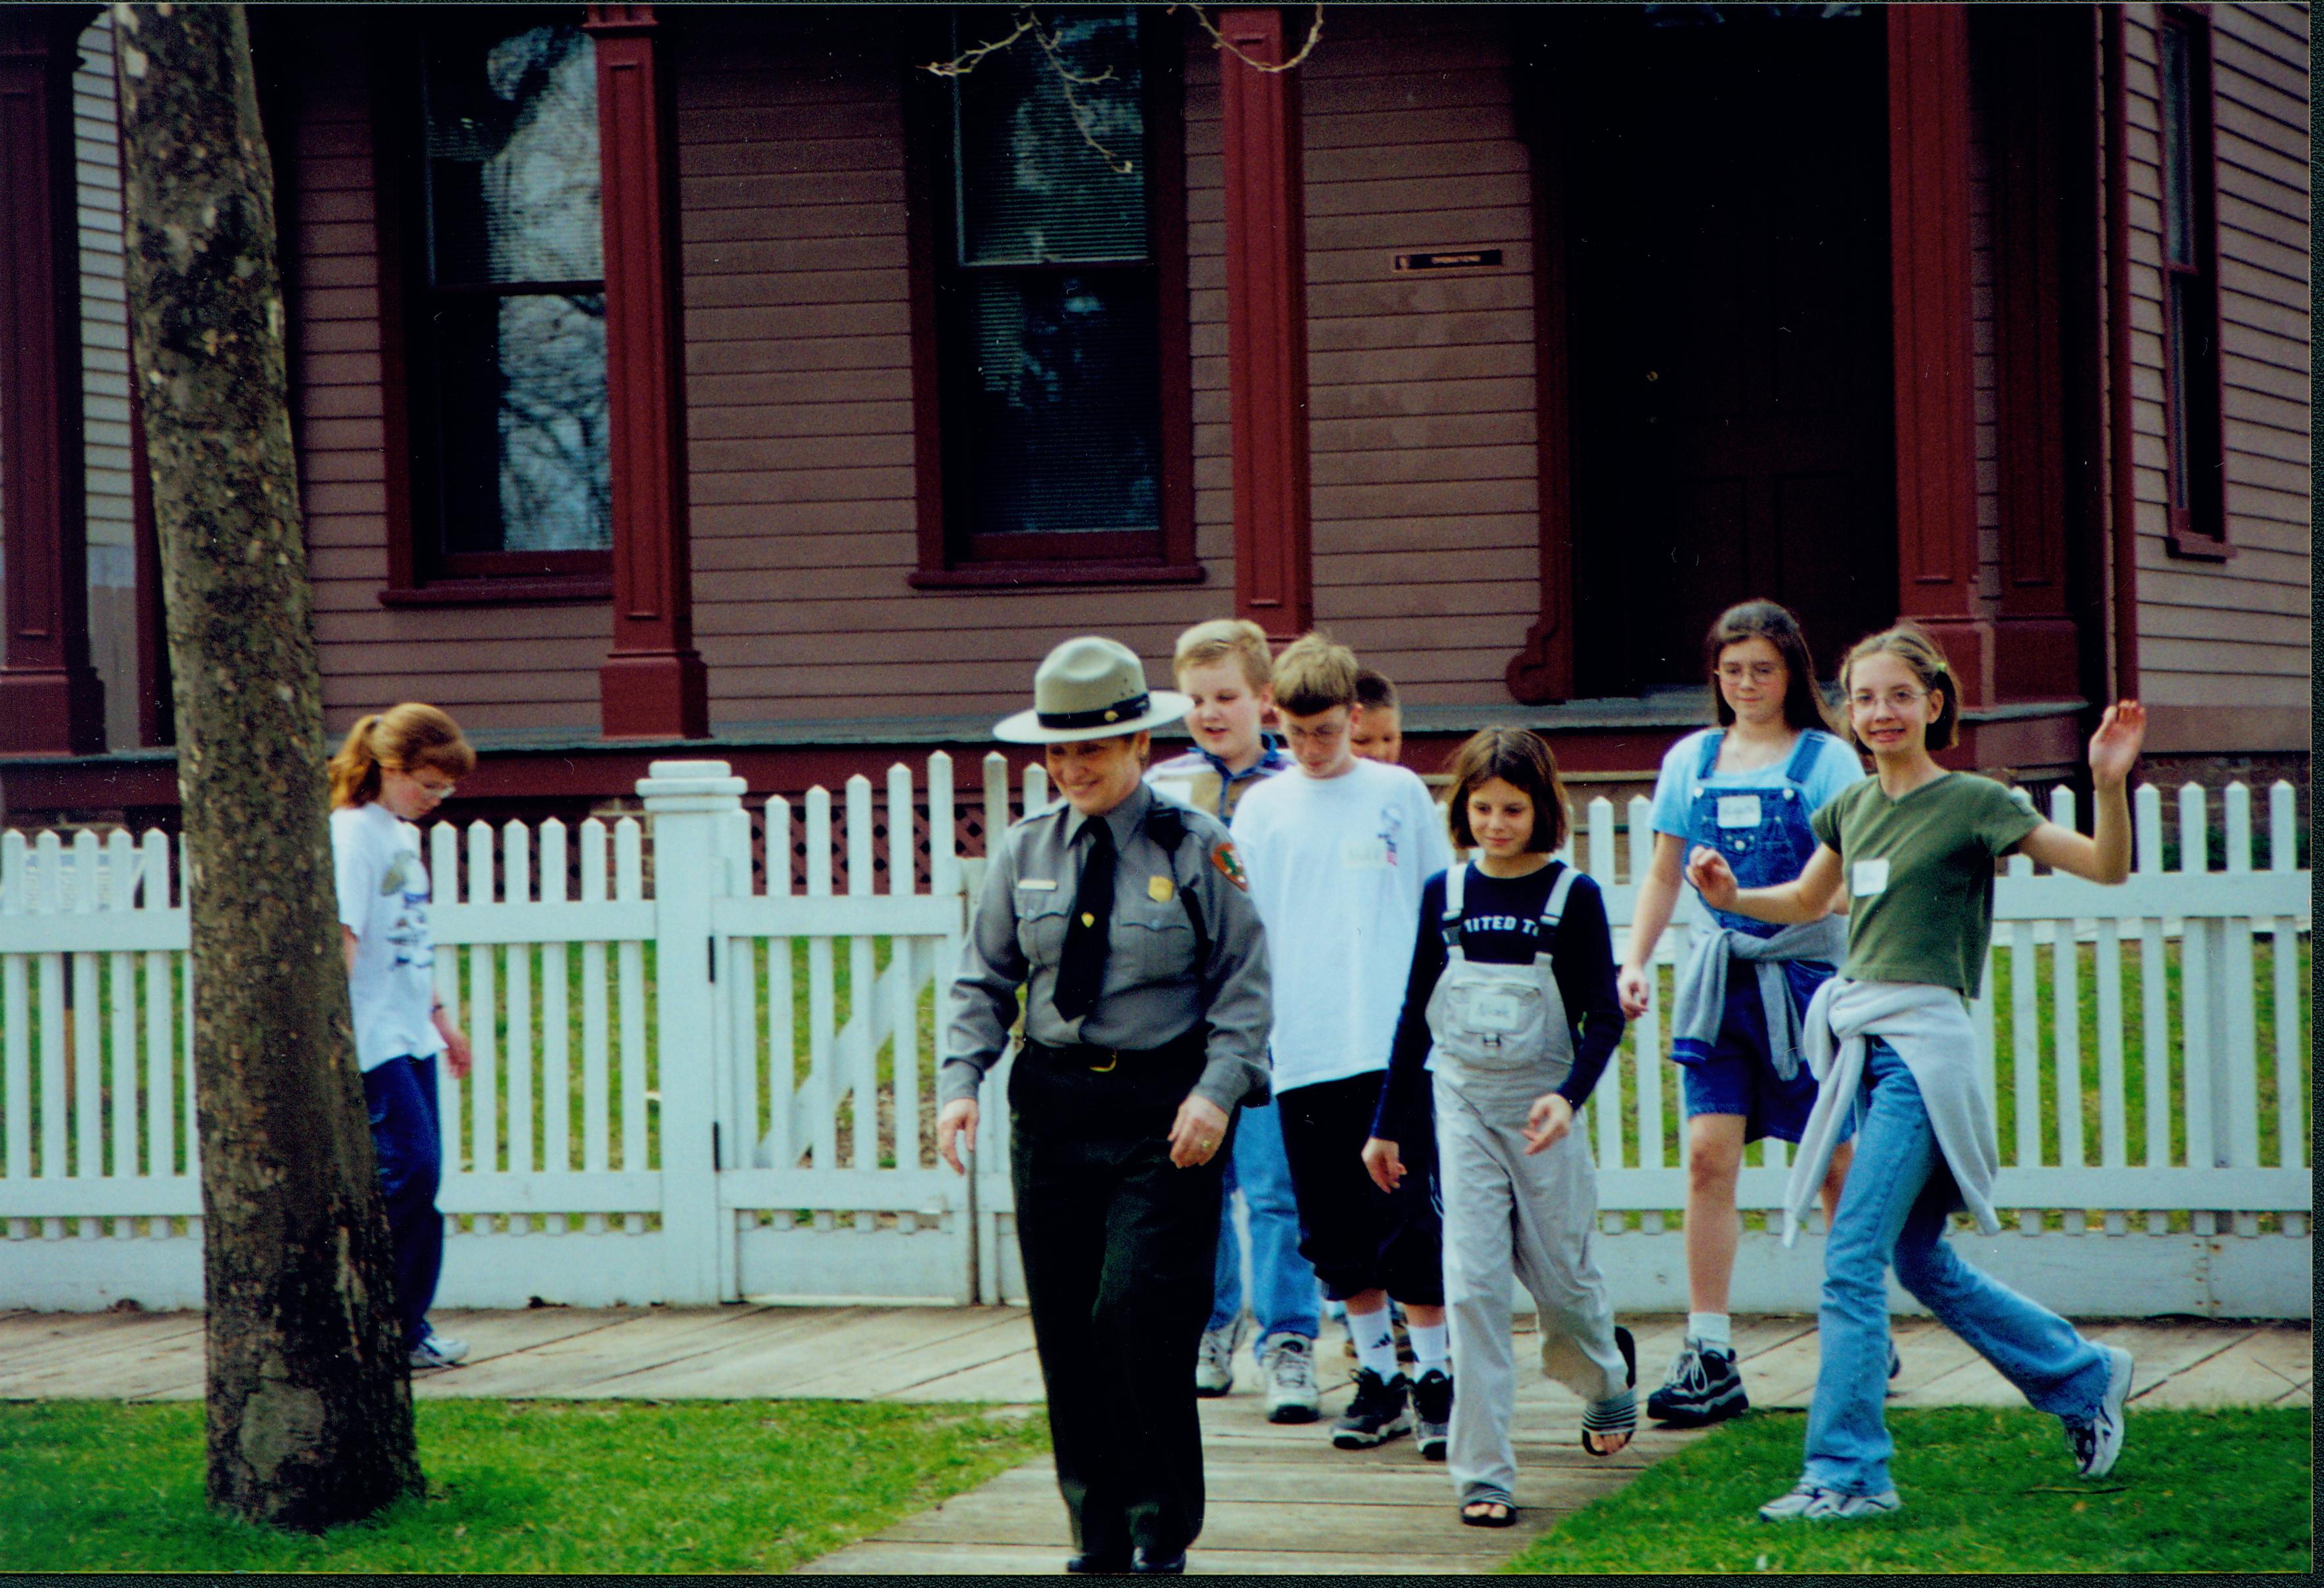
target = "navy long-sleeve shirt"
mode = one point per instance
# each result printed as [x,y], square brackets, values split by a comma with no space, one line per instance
[1500,924]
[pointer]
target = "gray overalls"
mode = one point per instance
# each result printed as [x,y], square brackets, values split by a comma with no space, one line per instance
[1501,1039]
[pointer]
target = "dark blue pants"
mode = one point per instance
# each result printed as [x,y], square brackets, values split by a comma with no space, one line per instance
[401,1095]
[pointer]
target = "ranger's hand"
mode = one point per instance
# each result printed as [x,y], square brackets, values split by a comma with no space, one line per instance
[1197,1132]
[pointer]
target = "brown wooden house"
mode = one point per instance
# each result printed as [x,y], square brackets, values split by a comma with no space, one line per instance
[716,380]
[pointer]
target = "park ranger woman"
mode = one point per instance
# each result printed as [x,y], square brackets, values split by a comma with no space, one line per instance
[1121,915]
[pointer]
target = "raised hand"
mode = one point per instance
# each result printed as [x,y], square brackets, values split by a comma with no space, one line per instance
[2114,748]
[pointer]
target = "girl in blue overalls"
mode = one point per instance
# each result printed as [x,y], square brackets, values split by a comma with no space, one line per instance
[1744,788]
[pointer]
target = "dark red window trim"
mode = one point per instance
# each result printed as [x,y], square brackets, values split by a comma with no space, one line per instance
[2198,528]
[949,560]
[415,577]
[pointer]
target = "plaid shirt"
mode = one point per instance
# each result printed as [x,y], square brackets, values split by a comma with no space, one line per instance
[1180,770]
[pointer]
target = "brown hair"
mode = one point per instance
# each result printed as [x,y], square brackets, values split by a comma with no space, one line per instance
[1224,637]
[1520,758]
[1375,690]
[1910,645]
[1314,673]
[1803,705]
[403,739]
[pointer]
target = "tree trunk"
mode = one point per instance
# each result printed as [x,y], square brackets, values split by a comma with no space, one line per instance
[310,1398]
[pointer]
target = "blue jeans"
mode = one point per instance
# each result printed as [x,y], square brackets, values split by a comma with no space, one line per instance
[1284,1281]
[410,1147]
[1894,1208]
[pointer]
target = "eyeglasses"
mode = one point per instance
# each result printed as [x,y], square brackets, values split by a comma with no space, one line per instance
[1758,672]
[1894,700]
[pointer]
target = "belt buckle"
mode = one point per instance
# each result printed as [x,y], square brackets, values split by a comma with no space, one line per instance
[1113,1057]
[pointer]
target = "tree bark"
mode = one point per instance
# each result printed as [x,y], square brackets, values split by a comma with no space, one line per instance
[309,1397]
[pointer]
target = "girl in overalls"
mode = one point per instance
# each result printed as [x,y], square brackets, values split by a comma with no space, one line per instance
[1744,788]
[1511,1009]
[1914,847]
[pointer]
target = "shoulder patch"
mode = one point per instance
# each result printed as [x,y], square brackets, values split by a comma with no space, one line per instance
[1229,866]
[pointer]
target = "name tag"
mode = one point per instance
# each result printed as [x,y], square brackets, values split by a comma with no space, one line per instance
[1867,876]
[1499,1013]
[1364,854]
[1045,885]
[1738,810]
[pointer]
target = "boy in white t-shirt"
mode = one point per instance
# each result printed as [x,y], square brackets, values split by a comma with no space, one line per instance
[1337,851]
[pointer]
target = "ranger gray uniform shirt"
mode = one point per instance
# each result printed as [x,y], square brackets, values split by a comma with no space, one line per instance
[1153,992]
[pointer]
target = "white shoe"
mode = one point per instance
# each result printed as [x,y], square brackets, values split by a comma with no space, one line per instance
[439,1350]
[1214,1357]
[1288,1362]
[1810,1502]
[2098,1442]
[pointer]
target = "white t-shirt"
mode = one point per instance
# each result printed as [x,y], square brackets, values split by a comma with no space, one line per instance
[1336,866]
[384,900]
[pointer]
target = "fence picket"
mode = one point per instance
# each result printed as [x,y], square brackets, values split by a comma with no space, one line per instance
[2238,1051]
[782,1025]
[863,990]
[516,863]
[161,1070]
[556,1020]
[822,997]
[2196,1004]
[904,1013]
[16,1054]
[2285,961]
[121,1006]
[2065,1011]
[483,1014]
[451,1090]
[628,885]
[1646,1046]
[596,1121]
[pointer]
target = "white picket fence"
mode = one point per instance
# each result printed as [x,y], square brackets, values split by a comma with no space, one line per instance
[691,1086]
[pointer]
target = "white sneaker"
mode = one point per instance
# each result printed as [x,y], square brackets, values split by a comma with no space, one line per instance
[439,1350]
[1214,1357]
[1810,1502]
[1288,1362]
[2098,1442]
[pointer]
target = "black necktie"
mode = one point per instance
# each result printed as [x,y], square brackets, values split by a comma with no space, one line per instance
[1081,967]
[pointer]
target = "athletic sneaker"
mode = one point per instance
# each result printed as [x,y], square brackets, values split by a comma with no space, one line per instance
[1214,1357]
[1812,1503]
[2098,1441]
[1381,1410]
[439,1350]
[1432,1408]
[1287,1363]
[1703,1387]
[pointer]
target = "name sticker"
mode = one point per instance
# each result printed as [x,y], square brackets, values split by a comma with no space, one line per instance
[1364,854]
[1046,884]
[1738,810]
[1867,876]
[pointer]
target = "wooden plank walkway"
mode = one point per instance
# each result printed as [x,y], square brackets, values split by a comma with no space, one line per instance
[1282,1500]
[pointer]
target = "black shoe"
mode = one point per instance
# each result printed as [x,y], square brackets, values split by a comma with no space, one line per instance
[1146,1563]
[1381,1410]
[1703,1387]
[1432,1408]
[1099,1564]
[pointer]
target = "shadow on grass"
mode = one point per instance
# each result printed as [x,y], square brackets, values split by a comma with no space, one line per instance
[1985,1489]
[512,1486]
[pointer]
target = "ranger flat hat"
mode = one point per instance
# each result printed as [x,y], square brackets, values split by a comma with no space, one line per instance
[1090,689]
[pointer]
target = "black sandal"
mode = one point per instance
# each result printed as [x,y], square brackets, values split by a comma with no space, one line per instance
[1618,1415]
[1486,1518]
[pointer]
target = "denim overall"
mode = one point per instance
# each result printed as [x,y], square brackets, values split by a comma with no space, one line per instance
[1761,828]
[1501,1039]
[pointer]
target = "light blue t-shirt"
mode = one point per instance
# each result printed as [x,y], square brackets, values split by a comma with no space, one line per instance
[1834,768]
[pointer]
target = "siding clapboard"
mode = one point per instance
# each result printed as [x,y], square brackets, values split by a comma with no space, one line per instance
[2224,651]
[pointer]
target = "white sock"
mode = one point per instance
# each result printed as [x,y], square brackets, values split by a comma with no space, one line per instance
[1432,1346]
[1375,1340]
[1708,1328]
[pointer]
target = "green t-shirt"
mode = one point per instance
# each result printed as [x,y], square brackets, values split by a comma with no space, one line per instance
[1919,875]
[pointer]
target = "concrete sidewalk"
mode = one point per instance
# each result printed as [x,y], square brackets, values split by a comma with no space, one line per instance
[1365,1511]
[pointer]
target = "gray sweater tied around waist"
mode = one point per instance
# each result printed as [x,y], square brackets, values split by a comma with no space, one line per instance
[1702,993]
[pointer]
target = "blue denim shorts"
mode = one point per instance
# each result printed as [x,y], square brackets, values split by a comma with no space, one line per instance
[1738,1077]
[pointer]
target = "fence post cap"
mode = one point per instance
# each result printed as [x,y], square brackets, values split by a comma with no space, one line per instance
[677,785]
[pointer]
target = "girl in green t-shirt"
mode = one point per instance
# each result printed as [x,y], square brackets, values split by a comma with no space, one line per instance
[1890,1036]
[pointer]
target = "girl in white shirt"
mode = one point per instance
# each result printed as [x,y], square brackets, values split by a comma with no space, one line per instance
[394,768]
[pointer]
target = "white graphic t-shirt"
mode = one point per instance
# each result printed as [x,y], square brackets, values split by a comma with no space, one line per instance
[1336,866]
[384,900]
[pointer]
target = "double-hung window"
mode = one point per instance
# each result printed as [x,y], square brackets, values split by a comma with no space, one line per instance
[503,311]
[1051,272]
[2194,442]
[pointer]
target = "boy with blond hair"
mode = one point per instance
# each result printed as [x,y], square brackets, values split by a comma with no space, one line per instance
[1224,667]
[1337,853]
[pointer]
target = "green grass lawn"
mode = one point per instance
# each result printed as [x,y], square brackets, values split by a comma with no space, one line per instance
[512,1486]
[1984,1491]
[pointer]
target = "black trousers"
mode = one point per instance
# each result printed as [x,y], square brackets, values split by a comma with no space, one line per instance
[1118,1245]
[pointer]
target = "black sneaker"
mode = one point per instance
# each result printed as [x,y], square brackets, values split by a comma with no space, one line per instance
[1381,1410]
[1432,1408]
[1703,1387]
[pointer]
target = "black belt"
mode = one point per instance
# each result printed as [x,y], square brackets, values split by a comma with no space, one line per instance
[1101,1060]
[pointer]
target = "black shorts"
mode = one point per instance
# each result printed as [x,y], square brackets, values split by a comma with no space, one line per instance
[1359,1237]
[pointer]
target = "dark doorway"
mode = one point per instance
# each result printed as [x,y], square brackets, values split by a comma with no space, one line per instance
[1725,217]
